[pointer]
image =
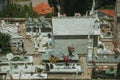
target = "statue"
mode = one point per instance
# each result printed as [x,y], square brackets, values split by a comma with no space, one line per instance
[3,23]
[29,20]
[45,23]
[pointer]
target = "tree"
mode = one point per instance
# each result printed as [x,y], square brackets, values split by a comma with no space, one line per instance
[5,43]
[71,6]
[105,4]
[54,3]
[12,10]
[82,6]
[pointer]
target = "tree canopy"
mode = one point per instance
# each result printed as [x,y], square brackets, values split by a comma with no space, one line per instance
[13,10]
[71,6]
[68,7]
[82,6]
[105,4]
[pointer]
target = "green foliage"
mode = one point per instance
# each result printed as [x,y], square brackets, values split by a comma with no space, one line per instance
[71,6]
[12,10]
[16,59]
[15,65]
[5,43]
[49,15]
[112,68]
[82,6]
[39,70]
[105,4]
[21,0]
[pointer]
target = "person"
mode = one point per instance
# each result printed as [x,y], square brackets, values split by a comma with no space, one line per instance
[51,66]
[94,66]
[47,67]
[24,51]
[67,65]
[49,41]
[25,65]
[71,49]
[22,44]
[49,35]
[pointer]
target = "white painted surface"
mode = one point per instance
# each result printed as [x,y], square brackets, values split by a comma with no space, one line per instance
[28,76]
[73,26]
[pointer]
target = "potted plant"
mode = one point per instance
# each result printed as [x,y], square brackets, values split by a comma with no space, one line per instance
[39,71]
[15,66]
[5,46]
[111,71]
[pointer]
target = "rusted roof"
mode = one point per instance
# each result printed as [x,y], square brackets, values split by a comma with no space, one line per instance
[43,8]
[108,12]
